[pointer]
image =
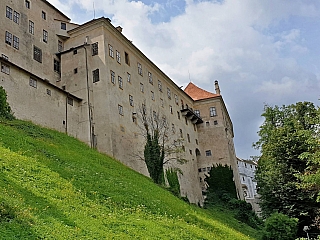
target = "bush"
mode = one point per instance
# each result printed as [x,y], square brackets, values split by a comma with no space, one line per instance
[173,181]
[5,110]
[280,226]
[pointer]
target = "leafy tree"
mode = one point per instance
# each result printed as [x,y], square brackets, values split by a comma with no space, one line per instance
[285,138]
[173,181]
[5,110]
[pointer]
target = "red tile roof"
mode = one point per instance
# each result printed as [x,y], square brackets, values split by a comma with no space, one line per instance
[197,93]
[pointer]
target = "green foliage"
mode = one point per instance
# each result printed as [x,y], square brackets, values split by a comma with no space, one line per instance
[287,134]
[5,110]
[54,187]
[173,181]
[280,226]
[154,157]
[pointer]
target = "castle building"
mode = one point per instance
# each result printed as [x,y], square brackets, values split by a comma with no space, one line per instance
[90,82]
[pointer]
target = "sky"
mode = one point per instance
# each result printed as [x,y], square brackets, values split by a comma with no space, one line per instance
[262,52]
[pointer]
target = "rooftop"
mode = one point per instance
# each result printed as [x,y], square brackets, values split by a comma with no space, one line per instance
[197,93]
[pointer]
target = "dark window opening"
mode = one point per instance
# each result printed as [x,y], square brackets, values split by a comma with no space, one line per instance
[95,75]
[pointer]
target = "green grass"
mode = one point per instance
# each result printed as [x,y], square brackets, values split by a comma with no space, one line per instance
[54,187]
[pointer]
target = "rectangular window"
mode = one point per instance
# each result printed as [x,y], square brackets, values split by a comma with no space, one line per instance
[45,36]
[169,93]
[44,15]
[75,51]
[16,17]
[161,102]
[160,85]
[27,4]
[215,122]
[173,128]
[75,71]
[126,58]
[5,68]
[213,112]
[197,112]
[94,47]
[181,134]
[120,82]
[49,92]
[70,101]
[31,27]
[37,54]
[56,65]
[141,87]
[120,109]
[118,57]
[60,46]
[9,12]
[33,82]
[8,38]
[188,137]
[208,153]
[95,75]
[140,69]
[171,109]
[110,51]
[176,99]
[178,113]
[15,42]
[150,77]
[197,141]
[5,57]
[63,26]
[186,119]
[131,100]
[113,77]
[152,95]
[129,77]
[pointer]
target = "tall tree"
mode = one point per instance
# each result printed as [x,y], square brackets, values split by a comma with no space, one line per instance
[285,137]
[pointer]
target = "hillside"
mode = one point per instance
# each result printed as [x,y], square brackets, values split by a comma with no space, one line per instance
[55,187]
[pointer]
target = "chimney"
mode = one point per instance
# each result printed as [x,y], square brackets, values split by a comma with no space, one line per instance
[119,29]
[216,85]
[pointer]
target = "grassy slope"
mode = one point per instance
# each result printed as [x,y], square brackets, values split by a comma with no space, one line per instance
[55,187]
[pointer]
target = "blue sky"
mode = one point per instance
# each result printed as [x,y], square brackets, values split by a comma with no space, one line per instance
[261,52]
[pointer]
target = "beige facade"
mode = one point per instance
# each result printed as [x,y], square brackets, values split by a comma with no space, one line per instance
[107,79]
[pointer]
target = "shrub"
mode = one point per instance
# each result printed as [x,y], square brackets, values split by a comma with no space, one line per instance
[280,226]
[173,181]
[5,110]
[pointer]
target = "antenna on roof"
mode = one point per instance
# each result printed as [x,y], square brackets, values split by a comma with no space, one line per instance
[94,12]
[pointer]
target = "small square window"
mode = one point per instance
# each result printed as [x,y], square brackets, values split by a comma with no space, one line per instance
[94,47]
[9,12]
[208,153]
[95,76]
[140,69]
[113,77]
[44,15]
[75,51]
[120,82]
[33,82]
[49,92]
[5,68]
[63,26]
[110,51]
[27,4]
[70,101]
[120,109]
[126,58]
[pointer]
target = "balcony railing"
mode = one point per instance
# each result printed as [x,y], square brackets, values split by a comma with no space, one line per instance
[188,112]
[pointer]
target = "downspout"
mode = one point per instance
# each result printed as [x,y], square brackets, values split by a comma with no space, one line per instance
[66,123]
[88,95]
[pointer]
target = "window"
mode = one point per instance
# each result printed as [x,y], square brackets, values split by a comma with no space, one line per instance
[75,71]
[150,77]
[197,112]
[120,82]
[37,54]
[33,83]
[70,101]
[31,27]
[95,75]
[208,153]
[75,51]
[45,36]
[144,109]
[186,119]
[171,110]
[126,58]
[178,113]
[155,115]
[120,109]
[161,102]
[190,151]
[213,112]
[159,85]
[113,78]
[129,77]
[56,66]
[131,100]
[207,124]
[215,122]
[15,42]
[94,48]
[5,57]
[44,15]
[49,92]
[9,12]
[16,17]
[8,38]
[5,68]
[27,4]
[110,51]
[139,69]
[173,128]
[197,141]
[141,87]
[60,46]
[188,137]
[118,57]
[63,26]
[181,134]
[152,95]
[176,99]
[169,93]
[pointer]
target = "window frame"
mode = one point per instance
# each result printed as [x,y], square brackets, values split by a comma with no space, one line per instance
[169,93]
[118,56]
[140,69]
[45,36]
[27,4]
[9,12]
[8,38]
[60,46]
[44,15]
[128,77]
[16,17]
[96,75]
[56,66]
[120,109]
[37,54]
[111,53]
[112,77]
[131,100]
[95,49]
[208,153]
[213,111]
[31,27]
[63,26]
[5,68]
[150,78]
[120,82]
[33,82]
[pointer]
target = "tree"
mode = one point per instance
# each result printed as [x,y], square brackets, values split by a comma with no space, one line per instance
[285,138]
[5,110]
[161,145]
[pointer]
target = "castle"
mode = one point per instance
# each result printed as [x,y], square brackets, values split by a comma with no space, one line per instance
[89,80]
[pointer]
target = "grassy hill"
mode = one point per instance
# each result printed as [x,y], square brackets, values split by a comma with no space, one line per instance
[54,187]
